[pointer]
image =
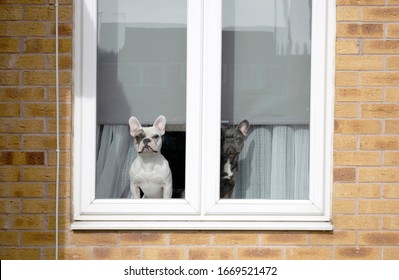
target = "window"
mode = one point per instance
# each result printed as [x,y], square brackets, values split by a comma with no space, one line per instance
[206,65]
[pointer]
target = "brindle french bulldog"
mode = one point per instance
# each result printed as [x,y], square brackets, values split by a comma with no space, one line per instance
[232,144]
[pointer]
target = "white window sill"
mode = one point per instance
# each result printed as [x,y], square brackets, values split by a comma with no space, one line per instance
[208,225]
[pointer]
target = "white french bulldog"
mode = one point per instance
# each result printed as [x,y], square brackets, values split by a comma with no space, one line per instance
[150,171]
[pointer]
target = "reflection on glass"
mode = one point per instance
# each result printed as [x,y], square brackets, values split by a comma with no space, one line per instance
[266,80]
[141,72]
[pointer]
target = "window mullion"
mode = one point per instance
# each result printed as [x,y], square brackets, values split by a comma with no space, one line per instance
[194,102]
[212,54]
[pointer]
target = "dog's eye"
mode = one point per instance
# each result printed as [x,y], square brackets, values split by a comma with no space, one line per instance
[139,137]
[155,137]
[238,138]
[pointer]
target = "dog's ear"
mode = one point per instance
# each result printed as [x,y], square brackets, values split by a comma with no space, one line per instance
[134,126]
[160,124]
[244,127]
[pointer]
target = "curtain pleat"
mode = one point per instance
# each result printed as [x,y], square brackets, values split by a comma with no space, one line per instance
[301,183]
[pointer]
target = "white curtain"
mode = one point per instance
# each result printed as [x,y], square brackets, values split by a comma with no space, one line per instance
[274,163]
[114,157]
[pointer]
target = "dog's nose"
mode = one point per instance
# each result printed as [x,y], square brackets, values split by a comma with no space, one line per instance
[146,141]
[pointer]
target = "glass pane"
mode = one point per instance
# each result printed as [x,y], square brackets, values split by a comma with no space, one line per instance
[141,72]
[266,55]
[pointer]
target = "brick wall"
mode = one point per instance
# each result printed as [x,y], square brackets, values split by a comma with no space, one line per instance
[366,150]
[27,125]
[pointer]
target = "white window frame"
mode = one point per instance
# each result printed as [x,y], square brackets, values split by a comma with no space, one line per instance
[202,208]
